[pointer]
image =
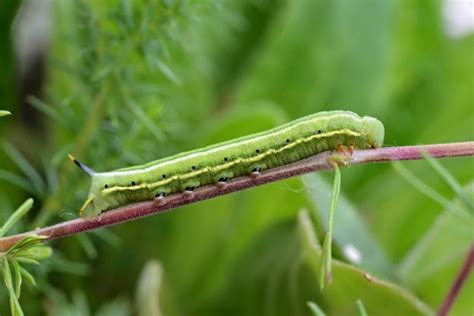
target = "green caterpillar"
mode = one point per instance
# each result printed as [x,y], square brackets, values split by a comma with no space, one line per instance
[219,163]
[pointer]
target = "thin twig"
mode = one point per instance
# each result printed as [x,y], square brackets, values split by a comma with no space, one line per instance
[316,163]
[461,278]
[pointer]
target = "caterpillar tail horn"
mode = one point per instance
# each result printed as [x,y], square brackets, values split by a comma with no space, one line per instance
[83,167]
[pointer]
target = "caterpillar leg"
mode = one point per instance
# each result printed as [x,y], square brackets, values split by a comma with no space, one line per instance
[159,199]
[255,174]
[222,183]
[343,149]
[95,219]
[351,149]
[342,155]
[221,178]
[189,193]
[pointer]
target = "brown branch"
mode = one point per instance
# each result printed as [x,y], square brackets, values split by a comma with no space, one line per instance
[316,163]
[458,283]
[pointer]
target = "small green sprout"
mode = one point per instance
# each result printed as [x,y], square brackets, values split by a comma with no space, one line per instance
[28,250]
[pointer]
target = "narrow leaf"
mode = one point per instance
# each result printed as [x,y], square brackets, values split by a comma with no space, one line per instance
[14,304]
[38,252]
[351,283]
[361,308]
[17,180]
[148,289]
[17,311]
[7,275]
[451,181]
[168,72]
[315,309]
[19,213]
[325,269]
[145,120]
[353,237]
[88,246]
[28,261]
[4,113]
[26,243]
[46,109]
[28,276]
[426,189]
[18,279]
[26,168]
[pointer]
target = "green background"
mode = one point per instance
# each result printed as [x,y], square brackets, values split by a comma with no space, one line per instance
[131,81]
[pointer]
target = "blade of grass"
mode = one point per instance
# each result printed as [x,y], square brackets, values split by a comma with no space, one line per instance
[26,168]
[325,270]
[427,190]
[88,246]
[361,308]
[4,113]
[47,110]
[315,309]
[142,117]
[14,179]
[451,181]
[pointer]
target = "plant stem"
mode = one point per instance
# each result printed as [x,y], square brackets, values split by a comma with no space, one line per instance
[316,163]
[461,278]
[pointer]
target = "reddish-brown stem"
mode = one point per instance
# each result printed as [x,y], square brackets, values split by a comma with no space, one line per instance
[461,278]
[315,163]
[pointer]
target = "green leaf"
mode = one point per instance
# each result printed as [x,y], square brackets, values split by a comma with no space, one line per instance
[361,308]
[118,307]
[351,284]
[80,303]
[315,309]
[17,180]
[62,264]
[26,167]
[167,71]
[18,279]
[87,245]
[7,275]
[28,261]
[15,217]
[14,303]
[4,113]
[28,276]
[144,119]
[26,243]
[47,110]
[38,252]
[148,289]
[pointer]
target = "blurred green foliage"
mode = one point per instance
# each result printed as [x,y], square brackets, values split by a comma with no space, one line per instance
[131,81]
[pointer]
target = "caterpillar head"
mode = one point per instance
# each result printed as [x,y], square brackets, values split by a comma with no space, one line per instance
[374,131]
